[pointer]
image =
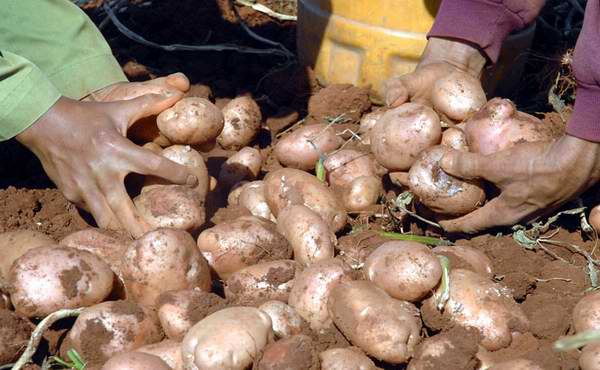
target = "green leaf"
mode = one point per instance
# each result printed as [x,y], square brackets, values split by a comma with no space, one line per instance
[320,168]
[577,341]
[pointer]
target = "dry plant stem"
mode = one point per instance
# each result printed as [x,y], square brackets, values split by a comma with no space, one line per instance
[289,128]
[414,238]
[444,289]
[38,333]
[268,11]
[577,341]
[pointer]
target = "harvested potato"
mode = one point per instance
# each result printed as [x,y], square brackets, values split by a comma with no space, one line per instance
[242,123]
[367,122]
[458,95]
[286,321]
[252,197]
[262,282]
[228,339]
[521,364]
[455,138]
[168,350]
[302,148]
[594,218]
[498,125]
[475,301]
[456,348]
[14,335]
[346,165]
[191,121]
[243,165]
[110,328]
[233,197]
[440,192]
[292,353]
[586,314]
[135,361]
[383,327]
[405,270]
[179,310]
[350,358]
[308,234]
[185,155]
[232,245]
[163,260]
[467,257]
[13,244]
[46,279]
[363,193]
[404,132]
[312,288]
[289,186]
[589,358]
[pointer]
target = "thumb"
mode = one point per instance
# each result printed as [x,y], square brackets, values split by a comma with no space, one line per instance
[464,165]
[396,91]
[145,106]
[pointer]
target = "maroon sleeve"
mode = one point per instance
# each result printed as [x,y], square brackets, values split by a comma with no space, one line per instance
[485,23]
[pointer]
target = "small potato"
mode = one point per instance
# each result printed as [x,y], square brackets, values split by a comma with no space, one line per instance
[383,327]
[265,281]
[404,132]
[367,122]
[233,197]
[455,138]
[173,206]
[589,358]
[440,192]
[308,234]
[456,348]
[191,121]
[346,165]
[107,329]
[292,353]
[14,335]
[302,148]
[350,358]
[312,288]
[405,270]
[135,361]
[586,314]
[232,245]
[594,218]
[46,279]
[185,155]
[522,364]
[168,350]
[13,244]
[242,123]
[363,193]
[468,258]
[243,165]
[288,186]
[228,339]
[475,301]
[163,260]
[252,197]
[286,321]
[458,95]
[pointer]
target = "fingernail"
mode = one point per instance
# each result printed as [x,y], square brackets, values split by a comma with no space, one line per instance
[191,180]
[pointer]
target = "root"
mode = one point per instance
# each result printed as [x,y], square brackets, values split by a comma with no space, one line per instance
[268,11]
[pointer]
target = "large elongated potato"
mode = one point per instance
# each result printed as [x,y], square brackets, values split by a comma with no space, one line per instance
[308,234]
[228,339]
[232,245]
[13,244]
[191,121]
[586,314]
[303,148]
[383,327]
[286,321]
[242,123]
[404,132]
[288,186]
[168,350]
[458,95]
[466,257]
[46,279]
[350,358]
[346,165]
[252,197]
[243,165]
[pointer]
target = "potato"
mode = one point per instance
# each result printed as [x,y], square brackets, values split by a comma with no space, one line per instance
[312,288]
[107,329]
[185,155]
[458,95]
[308,234]
[594,218]
[173,206]
[168,350]
[14,335]
[262,282]
[440,192]
[456,348]
[163,260]
[292,353]
[405,270]
[367,122]
[243,165]
[521,364]
[498,126]
[13,244]
[228,339]
[586,314]
[363,193]
[234,194]
[350,358]
[346,165]
[455,138]
[590,357]
[232,245]
[468,258]
[242,123]
[191,121]
[383,327]
[475,301]
[252,197]
[290,186]
[46,279]
[302,148]
[135,361]
[286,321]
[404,132]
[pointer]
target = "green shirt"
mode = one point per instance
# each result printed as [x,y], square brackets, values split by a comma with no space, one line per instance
[48,49]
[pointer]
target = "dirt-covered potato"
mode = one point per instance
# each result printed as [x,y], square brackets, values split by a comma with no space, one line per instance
[46,279]
[586,314]
[288,186]
[173,206]
[523,364]
[286,321]
[589,358]
[265,281]
[467,258]
[243,165]
[179,310]
[168,350]
[135,361]
[163,260]
[476,301]
[14,335]
[594,218]
[455,138]
[242,123]
[13,244]
[440,192]
[302,148]
[232,245]
[346,165]
[458,95]
[191,121]
[252,197]
[234,194]
[362,193]
[228,339]
[292,353]
[405,270]
[404,132]
[189,157]
[308,234]
[312,288]
[498,125]
[456,348]
[350,358]
[385,328]
[107,329]
[367,122]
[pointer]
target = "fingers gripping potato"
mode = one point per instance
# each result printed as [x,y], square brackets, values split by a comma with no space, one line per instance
[185,155]
[243,165]
[242,123]
[191,121]
[286,321]
[135,361]
[303,147]
[350,358]
[457,95]
[13,244]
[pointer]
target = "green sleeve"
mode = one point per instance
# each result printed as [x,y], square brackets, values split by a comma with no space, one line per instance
[62,42]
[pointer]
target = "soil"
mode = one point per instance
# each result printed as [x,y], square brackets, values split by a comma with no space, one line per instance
[293,353]
[14,335]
